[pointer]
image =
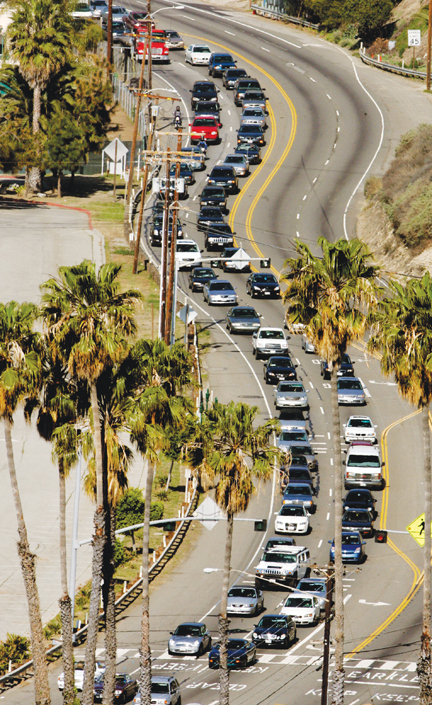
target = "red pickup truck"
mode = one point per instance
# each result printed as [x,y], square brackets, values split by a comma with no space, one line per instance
[159,49]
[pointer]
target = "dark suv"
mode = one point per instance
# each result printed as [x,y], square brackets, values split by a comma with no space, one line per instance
[203,90]
[242,85]
[219,63]
[231,76]
[223,176]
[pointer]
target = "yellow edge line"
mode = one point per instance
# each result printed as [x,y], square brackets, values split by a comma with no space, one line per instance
[269,150]
[418,576]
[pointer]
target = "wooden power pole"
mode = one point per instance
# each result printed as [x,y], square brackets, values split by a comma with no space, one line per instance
[170,314]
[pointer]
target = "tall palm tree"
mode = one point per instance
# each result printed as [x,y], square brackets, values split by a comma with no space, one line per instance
[159,408]
[39,40]
[402,332]
[19,362]
[330,296]
[59,402]
[91,322]
[236,452]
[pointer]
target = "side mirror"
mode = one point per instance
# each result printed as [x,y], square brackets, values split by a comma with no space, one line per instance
[363,543]
[219,124]
[254,335]
[260,315]
[343,462]
[330,542]
[382,465]
[171,633]
[344,425]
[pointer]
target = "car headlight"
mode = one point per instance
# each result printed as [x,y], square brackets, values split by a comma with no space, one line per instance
[310,614]
[171,642]
[357,550]
[196,642]
[117,693]
[282,636]
[254,635]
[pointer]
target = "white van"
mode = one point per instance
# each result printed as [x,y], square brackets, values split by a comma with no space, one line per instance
[188,254]
[363,466]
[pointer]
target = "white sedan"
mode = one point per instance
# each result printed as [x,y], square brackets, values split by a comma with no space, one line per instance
[303,609]
[198,54]
[79,674]
[292,520]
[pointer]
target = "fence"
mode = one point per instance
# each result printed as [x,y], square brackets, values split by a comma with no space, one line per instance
[390,67]
[128,101]
[272,10]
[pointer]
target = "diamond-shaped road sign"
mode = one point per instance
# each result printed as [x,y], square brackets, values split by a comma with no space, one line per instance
[110,149]
[208,510]
[191,314]
[417,529]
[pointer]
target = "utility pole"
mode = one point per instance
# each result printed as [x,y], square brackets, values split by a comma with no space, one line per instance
[428,59]
[163,281]
[326,652]
[135,130]
[143,197]
[109,36]
[170,313]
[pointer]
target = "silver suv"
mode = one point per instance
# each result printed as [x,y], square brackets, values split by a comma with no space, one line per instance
[165,691]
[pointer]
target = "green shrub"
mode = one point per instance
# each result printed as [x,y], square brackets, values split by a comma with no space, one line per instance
[119,554]
[15,649]
[156,511]
[53,627]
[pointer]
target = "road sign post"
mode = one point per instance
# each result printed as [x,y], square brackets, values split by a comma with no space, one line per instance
[414,40]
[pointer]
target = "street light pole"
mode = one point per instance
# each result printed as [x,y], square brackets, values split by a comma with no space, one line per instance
[163,281]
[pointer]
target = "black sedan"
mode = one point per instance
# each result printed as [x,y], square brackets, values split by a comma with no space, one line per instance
[241,654]
[360,499]
[242,319]
[230,77]
[214,196]
[125,688]
[274,630]
[185,173]
[209,215]
[203,90]
[265,285]
[224,176]
[295,476]
[358,520]
[252,152]
[345,369]
[251,134]
[279,367]
[199,276]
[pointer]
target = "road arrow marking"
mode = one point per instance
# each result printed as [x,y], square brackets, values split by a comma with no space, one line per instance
[375,604]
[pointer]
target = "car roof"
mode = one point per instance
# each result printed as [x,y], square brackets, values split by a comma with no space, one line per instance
[162,679]
[359,416]
[187,242]
[363,449]
[192,624]
[286,549]
[271,328]
[313,580]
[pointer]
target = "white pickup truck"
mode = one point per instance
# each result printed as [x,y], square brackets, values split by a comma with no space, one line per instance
[269,341]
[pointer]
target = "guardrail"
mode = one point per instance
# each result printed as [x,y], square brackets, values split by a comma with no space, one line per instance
[267,12]
[390,67]
[12,678]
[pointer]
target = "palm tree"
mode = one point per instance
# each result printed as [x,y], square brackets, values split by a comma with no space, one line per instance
[330,296]
[39,41]
[159,410]
[90,321]
[59,402]
[236,453]
[402,332]
[19,362]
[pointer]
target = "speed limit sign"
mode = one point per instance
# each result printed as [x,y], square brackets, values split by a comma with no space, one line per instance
[414,37]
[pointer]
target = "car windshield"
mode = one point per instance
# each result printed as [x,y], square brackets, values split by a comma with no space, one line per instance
[187,247]
[363,461]
[159,688]
[235,73]
[273,621]
[243,313]
[311,587]
[213,191]
[122,678]
[292,512]
[201,50]
[201,272]
[246,129]
[299,602]
[299,460]
[188,630]
[280,361]
[291,387]
[218,228]
[220,171]
[248,84]
[220,286]
[301,450]
[117,25]
[272,334]
[351,539]
[264,278]
[204,122]
[274,557]
[173,35]
[235,644]
[293,435]
[242,592]
[360,423]
[358,496]
[279,542]
[297,490]
[207,107]
[252,112]
[356,516]
[349,384]
[210,213]
[299,474]
[234,159]
[254,95]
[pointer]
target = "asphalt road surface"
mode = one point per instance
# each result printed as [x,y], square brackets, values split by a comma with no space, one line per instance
[332,122]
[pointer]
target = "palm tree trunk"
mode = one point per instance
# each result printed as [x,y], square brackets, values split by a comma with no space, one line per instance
[424,660]
[223,617]
[59,184]
[35,180]
[110,617]
[338,677]
[65,601]
[42,691]
[145,672]
[98,553]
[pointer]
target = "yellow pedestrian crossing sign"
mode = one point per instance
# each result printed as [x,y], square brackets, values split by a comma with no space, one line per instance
[417,529]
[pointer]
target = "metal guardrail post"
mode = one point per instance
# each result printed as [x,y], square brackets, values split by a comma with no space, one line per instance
[391,67]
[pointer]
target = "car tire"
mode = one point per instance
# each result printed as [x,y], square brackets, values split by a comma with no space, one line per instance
[200,651]
[170,652]
[258,584]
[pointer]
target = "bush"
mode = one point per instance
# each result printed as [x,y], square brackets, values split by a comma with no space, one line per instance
[53,627]
[15,649]
[119,554]
[156,511]
[372,187]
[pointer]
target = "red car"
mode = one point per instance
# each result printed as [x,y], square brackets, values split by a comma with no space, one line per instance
[205,128]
